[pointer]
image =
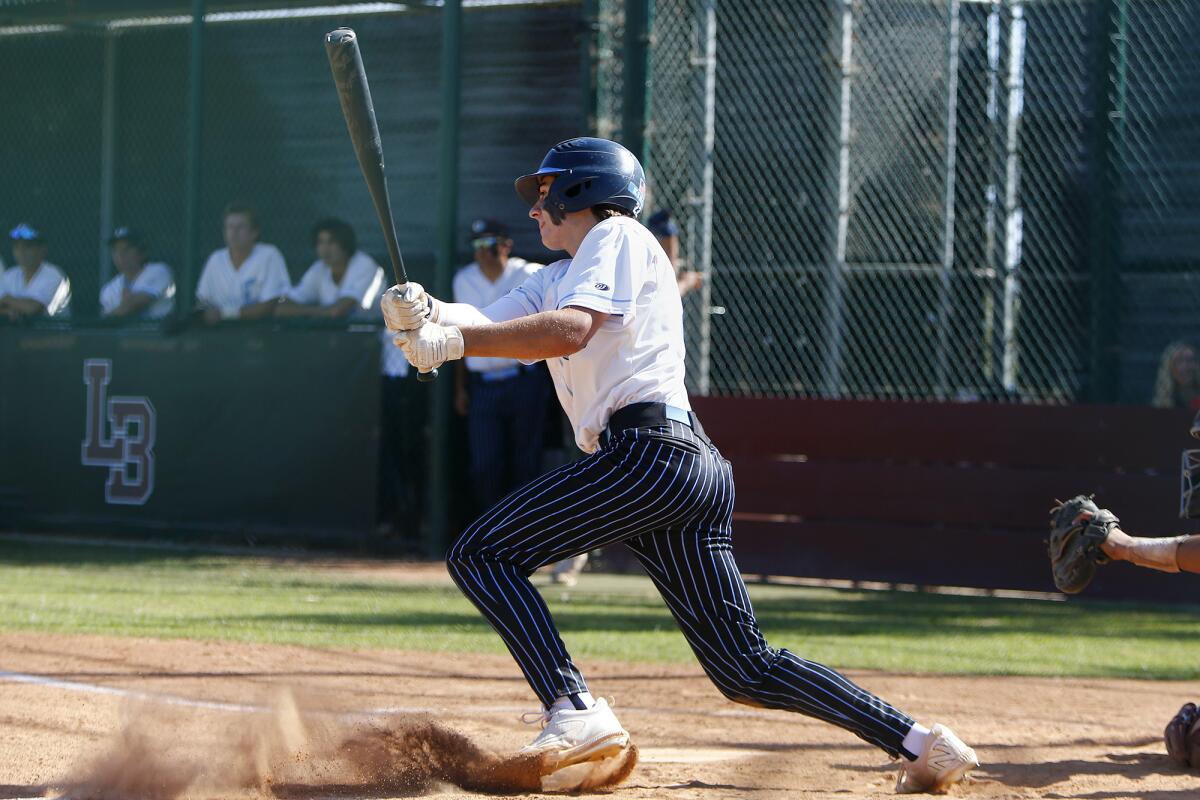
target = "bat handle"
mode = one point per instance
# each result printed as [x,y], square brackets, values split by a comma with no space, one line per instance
[427,377]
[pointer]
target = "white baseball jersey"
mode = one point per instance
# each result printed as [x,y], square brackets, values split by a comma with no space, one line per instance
[392,361]
[262,276]
[49,286]
[638,354]
[472,286]
[362,283]
[154,280]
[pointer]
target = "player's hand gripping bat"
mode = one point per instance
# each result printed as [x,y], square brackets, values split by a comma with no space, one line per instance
[345,60]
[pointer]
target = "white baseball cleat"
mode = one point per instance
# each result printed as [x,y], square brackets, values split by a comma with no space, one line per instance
[577,736]
[944,761]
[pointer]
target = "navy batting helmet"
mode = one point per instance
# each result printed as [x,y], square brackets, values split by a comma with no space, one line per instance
[589,172]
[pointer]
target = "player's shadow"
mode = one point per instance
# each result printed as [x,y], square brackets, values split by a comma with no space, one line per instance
[1134,766]
[1041,774]
[13,790]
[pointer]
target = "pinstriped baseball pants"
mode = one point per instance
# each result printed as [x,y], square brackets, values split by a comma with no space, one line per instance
[668,495]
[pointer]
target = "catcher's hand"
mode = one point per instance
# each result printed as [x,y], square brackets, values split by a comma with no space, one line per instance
[1077,529]
[1183,737]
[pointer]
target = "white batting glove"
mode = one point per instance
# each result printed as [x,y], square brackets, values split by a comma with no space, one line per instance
[431,345]
[407,310]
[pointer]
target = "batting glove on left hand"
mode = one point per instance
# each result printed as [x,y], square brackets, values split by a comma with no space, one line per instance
[431,345]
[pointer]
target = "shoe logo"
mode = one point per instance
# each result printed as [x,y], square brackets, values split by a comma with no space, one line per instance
[602,287]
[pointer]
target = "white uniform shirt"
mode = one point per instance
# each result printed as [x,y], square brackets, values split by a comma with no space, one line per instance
[392,362]
[263,276]
[638,354]
[472,286]
[48,286]
[362,283]
[155,279]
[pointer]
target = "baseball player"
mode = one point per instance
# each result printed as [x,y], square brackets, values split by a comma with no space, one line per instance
[609,323]
[140,289]
[503,400]
[1084,536]
[666,232]
[342,281]
[34,287]
[246,278]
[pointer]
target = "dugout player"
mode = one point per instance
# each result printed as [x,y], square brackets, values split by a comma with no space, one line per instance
[246,278]
[663,226]
[141,288]
[609,323]
[503,400]
[34,287]
[342,281]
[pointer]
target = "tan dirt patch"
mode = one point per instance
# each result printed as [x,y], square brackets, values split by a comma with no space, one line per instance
[1037,737]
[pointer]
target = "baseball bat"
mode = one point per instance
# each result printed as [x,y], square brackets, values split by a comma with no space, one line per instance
[345,60]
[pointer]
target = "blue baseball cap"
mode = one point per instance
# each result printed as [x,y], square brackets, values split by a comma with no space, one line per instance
[126,234]
[26,233]
[661,224]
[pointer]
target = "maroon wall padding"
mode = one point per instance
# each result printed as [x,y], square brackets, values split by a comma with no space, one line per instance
[952,494]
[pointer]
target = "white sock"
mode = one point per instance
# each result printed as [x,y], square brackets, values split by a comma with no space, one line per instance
[565,702]
[914,740]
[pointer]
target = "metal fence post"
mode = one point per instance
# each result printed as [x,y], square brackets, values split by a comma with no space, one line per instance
[108,149]
[588,47]
[835,292]
[1014,224]
[1104,239]
[637,75]
[439,449]
[950,164]
[703,262]
[186,283]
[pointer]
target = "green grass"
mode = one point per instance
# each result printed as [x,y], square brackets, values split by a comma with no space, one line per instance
[126,591]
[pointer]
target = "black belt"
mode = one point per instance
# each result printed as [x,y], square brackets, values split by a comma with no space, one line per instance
[647,415]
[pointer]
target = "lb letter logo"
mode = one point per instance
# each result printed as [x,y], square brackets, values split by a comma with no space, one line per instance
[120,436]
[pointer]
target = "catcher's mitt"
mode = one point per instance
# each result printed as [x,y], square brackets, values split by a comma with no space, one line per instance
[1183,737]
[1077,529]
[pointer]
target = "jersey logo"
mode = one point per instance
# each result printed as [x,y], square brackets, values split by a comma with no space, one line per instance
[129,451]
[602,287]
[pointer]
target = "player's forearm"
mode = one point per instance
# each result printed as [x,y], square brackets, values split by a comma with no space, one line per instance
[26,306]
[550,334]
[258,310]
[460,314]
[133,304]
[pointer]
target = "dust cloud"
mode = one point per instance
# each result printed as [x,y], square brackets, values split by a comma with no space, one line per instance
[164,752]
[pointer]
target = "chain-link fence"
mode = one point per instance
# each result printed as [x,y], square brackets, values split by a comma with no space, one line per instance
[906,199]
[926,198]
[98,126]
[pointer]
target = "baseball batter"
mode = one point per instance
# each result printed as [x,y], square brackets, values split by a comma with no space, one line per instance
[609,323]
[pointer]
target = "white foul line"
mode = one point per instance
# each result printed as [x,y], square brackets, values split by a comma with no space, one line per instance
[243,708]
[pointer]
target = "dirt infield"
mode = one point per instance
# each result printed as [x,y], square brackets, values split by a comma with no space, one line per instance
[163,719]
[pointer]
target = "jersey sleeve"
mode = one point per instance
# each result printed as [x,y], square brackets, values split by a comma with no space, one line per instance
[458,286]
[155,280]
[363,281]
[276,282]
[53,291]
[110,296]
[205,291]
[306,291]
[46,287]
[526,299]
[601,275]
